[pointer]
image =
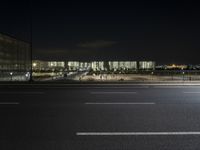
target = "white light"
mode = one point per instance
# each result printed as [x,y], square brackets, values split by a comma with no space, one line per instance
[27,74]
[34,64]
[11,73]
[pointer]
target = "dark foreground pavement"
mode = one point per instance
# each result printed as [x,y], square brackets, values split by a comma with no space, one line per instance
[100,117]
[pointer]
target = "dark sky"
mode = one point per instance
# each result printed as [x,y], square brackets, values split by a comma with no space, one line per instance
[164,31]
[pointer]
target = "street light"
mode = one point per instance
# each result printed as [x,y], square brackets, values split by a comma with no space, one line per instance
[152,75]
[34,64]
[27,75]
[183,74]
[11,73]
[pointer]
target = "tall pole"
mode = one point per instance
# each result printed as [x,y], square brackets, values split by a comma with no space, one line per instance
[31,41]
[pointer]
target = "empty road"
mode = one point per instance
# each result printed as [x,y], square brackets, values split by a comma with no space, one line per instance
[99,117]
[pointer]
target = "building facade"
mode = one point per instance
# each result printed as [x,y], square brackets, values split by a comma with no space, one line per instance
[73,65]
[14,54]
[123,65]
[147,65]
[94,65]
[97,65]
[39,65]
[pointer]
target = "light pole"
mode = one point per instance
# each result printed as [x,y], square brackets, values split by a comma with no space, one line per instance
[11,73]
[152,75]
[31,46]
[183,75]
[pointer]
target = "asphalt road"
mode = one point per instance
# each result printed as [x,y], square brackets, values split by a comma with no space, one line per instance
[99,117]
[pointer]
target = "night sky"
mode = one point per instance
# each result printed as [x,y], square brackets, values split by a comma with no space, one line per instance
[163,31]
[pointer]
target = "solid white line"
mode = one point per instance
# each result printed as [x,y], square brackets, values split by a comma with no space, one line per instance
[21,92]
[91,87]
[119,103]
[134,133]
[174,87]
[145,84]
[11,103]
[191,92]
[113,92]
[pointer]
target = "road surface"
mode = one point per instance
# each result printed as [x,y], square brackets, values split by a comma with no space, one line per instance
[100,117]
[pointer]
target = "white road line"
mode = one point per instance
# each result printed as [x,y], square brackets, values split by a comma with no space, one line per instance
[11,103]
[139,83]
[174,87]
[134,133]
[191,92]
[113,92]
[102,87]
[21,92]
[119,103]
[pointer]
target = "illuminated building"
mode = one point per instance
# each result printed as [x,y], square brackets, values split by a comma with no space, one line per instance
[39,65]
[47,65]
[97,65]
[146,65]
[73,65]
[94,65]
[56,64]
[117,65]
[175,66]
[14,55]
[113,65]
[84,65]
